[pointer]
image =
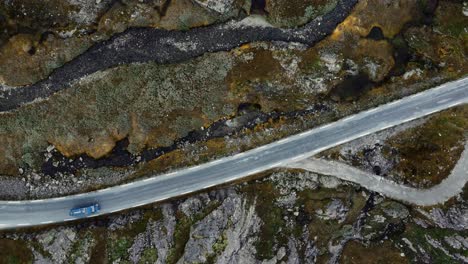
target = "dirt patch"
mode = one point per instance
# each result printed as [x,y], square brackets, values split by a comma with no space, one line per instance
[14,251]
[385,253]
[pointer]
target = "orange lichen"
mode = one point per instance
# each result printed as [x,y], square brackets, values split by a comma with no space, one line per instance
[390,16]
[162,163]
[96,147]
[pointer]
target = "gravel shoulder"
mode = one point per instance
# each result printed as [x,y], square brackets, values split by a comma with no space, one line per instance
[448,188]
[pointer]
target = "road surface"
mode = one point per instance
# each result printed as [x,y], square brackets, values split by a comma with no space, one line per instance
[448,188]
[290,149]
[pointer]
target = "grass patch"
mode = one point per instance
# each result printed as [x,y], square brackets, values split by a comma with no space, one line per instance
[14,252]
[325,230]
[273,231]
[150,255]
[429,152]
[383,253]
[118,248]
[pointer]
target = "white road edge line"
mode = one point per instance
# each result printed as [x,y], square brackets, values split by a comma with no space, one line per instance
[421,110]
[277,164]
[348,118]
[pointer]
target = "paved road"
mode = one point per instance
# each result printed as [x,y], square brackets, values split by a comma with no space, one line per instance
[294,148]
[448,188]
[164,46]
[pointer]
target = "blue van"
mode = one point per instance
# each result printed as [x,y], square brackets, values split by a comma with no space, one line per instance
[85,210]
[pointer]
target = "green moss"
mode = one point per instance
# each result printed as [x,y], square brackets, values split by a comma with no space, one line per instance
[218,247]
[273,230]
[84,238]
[181,236]
[293,13]
[357,203]
[118,248]
[119,241]
[417,236]
[450,20]
[326,230]
[182,231]
[312,64]
[39,248]
[149,256]
[270,232]
[220,244]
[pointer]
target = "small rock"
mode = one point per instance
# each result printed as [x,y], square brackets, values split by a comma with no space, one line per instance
[50,148]
[36,176]
[281,253]
[395,210]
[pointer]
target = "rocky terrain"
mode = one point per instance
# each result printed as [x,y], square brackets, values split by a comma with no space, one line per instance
[133,120]
[285,217]
[419,154]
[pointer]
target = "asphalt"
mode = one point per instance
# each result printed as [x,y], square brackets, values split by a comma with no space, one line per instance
[298,147]
[440,193]
[139,45]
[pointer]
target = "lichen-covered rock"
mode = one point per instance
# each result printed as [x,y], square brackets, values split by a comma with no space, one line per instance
[454,217]
[222,6]
[27,58]
[253,94]
[389,16]
[226,229]
[335,210]
[291,13]
[58,243]
[43,36]
[395,210]
[110,115]
[162,233]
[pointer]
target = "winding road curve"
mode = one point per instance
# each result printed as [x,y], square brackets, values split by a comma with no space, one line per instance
[448,188]
[163,46]
[277,154]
